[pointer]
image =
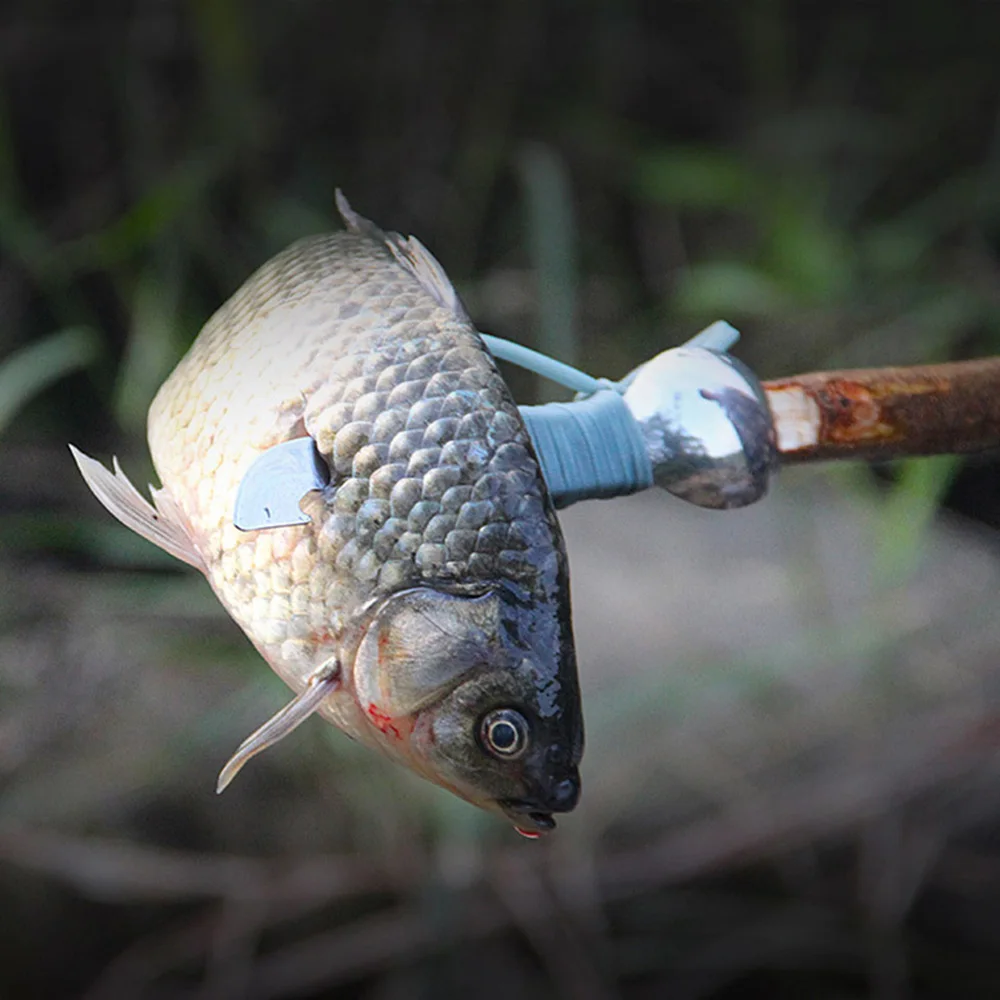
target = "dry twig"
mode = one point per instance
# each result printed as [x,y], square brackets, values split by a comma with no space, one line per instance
[883,413]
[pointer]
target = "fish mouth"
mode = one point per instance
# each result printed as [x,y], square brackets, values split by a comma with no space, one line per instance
[532,816]
[528,820]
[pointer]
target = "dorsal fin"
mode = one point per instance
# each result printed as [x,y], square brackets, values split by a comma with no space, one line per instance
[162,525]
[410,253]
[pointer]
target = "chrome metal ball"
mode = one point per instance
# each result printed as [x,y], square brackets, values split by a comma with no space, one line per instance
[707,426]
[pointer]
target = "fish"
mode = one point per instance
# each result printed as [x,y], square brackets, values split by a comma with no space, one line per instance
[423,605]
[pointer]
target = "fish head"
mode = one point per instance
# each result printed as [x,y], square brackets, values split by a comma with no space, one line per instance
[478,693]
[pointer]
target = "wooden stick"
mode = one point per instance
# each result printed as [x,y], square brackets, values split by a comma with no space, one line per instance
[886,413]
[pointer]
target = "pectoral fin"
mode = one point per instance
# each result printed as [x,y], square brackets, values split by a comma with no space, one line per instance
[160,524]
[322,683]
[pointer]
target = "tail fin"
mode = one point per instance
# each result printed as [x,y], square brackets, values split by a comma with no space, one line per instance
[160,525]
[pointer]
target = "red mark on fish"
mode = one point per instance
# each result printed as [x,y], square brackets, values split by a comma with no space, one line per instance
[383,722]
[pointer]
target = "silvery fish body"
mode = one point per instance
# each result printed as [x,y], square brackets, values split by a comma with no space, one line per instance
[424,609]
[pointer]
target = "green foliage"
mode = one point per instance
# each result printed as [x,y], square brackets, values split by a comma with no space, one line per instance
[551,240]
[790,259]
[906,516]
[30,370]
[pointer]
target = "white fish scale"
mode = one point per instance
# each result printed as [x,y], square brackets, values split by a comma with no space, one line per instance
[434,473]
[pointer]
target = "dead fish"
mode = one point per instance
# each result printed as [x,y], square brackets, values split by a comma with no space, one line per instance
[424,606]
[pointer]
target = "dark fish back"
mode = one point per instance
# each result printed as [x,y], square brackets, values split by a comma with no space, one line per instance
[434,479]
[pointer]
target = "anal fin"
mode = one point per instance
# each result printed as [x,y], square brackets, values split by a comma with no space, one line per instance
[160,524]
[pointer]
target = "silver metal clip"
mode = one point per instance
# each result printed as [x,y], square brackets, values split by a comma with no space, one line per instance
[274,485]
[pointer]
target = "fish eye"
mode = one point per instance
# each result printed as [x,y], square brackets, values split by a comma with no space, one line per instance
[504,733]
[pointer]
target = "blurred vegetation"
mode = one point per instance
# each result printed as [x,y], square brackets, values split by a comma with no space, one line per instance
[600,180]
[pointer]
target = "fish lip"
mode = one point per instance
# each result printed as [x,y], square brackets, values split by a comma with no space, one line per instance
[525,816]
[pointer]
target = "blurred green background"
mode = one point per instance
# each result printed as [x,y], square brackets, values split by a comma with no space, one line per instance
[791,785]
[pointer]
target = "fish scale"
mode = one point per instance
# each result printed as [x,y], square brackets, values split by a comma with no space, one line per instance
[399,358]
[357,340]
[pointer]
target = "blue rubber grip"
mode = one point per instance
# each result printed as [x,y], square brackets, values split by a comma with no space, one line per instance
[590,449]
